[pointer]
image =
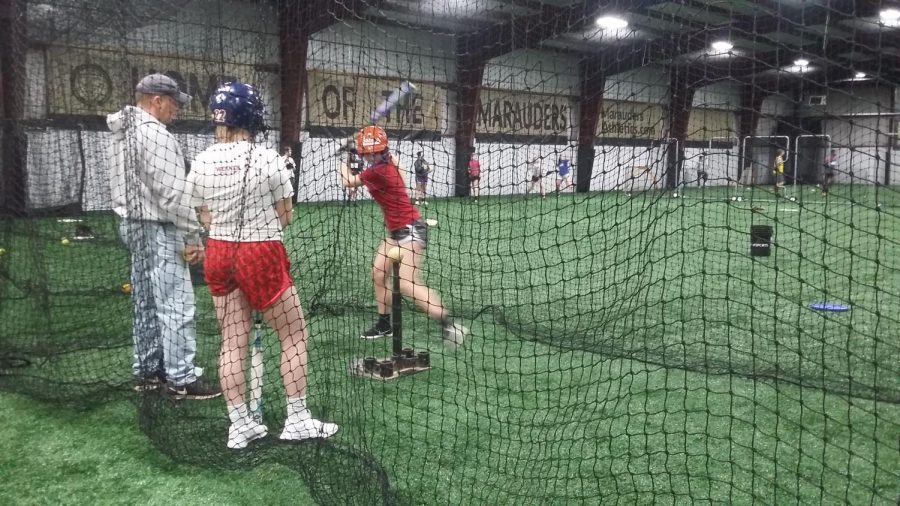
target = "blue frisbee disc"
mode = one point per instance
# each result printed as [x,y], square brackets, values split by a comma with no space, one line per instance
[829,306]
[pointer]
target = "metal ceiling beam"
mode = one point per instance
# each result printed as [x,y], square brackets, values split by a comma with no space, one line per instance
[527,32]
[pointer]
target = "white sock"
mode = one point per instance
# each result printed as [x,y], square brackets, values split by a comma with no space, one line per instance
[238,412]
[296,407]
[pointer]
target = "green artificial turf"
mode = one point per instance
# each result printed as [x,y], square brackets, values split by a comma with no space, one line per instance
[623,350]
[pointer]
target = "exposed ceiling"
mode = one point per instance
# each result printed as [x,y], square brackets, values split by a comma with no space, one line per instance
[838,37]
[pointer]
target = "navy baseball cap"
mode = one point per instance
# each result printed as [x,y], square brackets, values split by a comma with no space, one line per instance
[161,84]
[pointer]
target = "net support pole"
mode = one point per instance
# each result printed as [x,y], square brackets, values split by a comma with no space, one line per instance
[469,77]
[591,103]
[748,119]
[681,96]
[12,108]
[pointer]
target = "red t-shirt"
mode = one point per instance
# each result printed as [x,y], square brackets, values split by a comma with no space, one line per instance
[386,186]
[474,168]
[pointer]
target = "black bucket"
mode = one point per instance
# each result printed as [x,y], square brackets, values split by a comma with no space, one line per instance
[760,240]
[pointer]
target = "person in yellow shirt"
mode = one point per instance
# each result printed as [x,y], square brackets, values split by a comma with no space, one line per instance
[778,169]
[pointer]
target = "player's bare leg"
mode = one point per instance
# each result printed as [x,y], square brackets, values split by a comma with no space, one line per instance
[286,317]
[381,279]
[234,313]
[381,276]
[413,286]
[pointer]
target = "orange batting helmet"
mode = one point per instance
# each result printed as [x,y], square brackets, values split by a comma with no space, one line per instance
[370,140]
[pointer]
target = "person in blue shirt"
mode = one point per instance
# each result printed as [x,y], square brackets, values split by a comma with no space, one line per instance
[564,175]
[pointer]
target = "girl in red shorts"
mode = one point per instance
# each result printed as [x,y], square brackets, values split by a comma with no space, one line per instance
[244,196]
[405,229]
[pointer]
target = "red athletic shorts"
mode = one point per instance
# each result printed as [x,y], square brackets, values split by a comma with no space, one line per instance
[261,270]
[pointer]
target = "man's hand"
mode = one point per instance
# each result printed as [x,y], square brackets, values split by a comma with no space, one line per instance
[193,253]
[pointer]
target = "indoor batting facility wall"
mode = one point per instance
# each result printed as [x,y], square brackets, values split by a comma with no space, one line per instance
[855,120]
[632,119]
[530,80]
[85,72]
[360,51]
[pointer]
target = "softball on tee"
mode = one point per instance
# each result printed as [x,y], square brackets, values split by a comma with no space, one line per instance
[431,222]
[395,254]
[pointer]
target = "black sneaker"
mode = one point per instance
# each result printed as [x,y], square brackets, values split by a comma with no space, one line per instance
[377,332]
[197,390]
[150,381]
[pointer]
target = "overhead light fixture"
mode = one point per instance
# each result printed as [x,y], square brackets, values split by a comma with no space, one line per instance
[801,62]
[890,16]
[722,46]
[860,75]
[611,23]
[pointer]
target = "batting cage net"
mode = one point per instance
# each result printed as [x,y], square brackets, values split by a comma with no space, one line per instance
[467,252]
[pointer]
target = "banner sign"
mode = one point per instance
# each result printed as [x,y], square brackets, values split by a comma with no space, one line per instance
[96,82]
[520,113]
[704,124]
[630,120]
[346,101]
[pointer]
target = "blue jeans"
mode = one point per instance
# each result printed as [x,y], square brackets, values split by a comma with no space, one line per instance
[163,304]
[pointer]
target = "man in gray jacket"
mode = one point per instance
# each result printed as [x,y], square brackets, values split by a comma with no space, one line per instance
[163,236]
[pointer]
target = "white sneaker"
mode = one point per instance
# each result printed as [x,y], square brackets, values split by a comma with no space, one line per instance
[455,334]
[310,428]
[240,433]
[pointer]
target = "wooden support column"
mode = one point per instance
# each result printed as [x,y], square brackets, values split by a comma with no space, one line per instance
[293,35]
[681,97]
[469,75]
[593,81]
[13,147]
[748,119]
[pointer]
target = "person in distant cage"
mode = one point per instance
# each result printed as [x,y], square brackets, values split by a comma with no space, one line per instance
[162,234]
[355,163]
[244,197]
[778,169]
[830,166]
[702,175]
[475,177]
[406,230]
[422,169]
[563,175]
[536,175]
[288,159]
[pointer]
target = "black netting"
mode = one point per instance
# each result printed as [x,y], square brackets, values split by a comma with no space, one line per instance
[674,243]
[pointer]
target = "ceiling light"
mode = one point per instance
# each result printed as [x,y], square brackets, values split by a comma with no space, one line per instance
[889,16]
[722,46]
[801,62]
[611,23]
[860,75]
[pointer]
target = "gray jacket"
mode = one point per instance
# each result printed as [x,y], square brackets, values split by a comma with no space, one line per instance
[148,176]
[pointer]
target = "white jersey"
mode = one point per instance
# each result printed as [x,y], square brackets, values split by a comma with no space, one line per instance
[240,190]
[534,168]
